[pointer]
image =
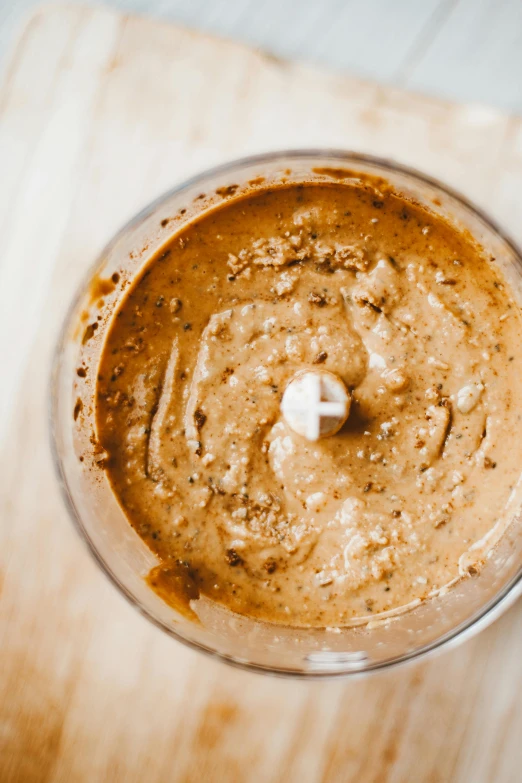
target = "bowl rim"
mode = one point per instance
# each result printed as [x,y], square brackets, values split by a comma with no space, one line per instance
[477,621]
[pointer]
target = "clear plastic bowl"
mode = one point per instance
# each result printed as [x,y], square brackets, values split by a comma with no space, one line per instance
[439,623]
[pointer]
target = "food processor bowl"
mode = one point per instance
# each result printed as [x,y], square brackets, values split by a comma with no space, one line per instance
[438,623]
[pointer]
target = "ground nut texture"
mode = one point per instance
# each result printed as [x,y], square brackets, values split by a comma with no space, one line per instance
[424,333]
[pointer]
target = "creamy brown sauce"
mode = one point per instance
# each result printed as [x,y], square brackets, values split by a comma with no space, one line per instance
[407,312]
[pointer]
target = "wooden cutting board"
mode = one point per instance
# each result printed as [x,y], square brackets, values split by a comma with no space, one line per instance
[99,114]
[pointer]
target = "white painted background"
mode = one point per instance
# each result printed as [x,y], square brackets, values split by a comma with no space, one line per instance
[468,50]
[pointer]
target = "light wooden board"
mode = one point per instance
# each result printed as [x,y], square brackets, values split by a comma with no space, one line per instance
[99,114]
[460,49]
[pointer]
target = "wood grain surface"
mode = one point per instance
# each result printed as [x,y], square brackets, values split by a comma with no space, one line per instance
[466,50]
[99,114]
